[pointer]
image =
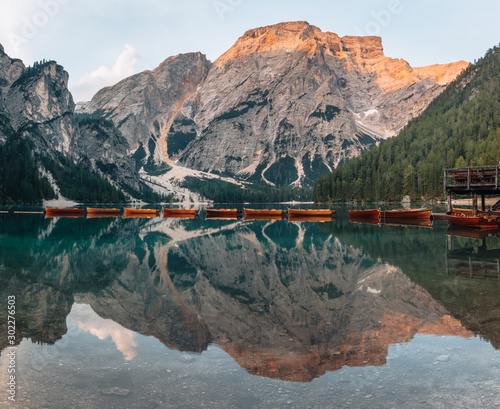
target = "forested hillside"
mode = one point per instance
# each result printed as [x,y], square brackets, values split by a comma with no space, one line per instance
[459,128]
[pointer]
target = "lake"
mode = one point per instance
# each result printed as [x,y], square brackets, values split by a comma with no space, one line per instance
[173,313]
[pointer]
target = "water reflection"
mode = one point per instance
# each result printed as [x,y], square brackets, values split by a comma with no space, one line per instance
[88,321]
[287,300]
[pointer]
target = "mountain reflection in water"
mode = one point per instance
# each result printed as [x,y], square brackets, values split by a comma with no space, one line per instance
[286,300]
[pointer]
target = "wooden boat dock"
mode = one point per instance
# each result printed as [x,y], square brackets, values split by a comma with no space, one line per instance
[477,181]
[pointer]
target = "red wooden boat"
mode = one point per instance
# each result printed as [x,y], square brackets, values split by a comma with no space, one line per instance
[477,222]
[104,212]
[406,214]
[180,212]
[71,212]
[362,214]
[311,213]
[264,214]
[225,213]
[129,212]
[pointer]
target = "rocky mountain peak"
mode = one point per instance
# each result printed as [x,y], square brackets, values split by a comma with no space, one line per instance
[285,104]
[142,106]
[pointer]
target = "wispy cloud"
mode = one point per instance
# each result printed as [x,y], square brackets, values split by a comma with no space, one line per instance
[125,65]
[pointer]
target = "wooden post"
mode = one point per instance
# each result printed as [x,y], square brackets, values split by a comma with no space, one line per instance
[483,203]
[496,177]
[474,204]
[449,203]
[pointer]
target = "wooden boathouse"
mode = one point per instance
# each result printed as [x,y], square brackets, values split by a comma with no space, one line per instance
[478,181]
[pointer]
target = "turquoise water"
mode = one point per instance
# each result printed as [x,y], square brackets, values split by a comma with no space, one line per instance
[155,313]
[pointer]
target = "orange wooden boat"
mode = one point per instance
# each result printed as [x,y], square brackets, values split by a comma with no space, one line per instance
[264,214]
[141,212]
[103,211]
[180,212]
[225,213]
[71,212]
[406,214]
[362,214]
[311,213]
[476,222]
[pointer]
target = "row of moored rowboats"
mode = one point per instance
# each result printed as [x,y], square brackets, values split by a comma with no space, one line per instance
[459,217]
[191,213]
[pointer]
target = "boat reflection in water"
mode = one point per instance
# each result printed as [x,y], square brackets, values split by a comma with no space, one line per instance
[472,258]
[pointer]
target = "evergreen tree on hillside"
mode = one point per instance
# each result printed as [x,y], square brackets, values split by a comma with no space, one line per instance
[459,128]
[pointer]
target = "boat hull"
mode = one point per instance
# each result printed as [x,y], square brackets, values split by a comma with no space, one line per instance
[365,214]
[104,212]
[181,213]
[223,213]
[141,212]
[73,212]
[476,222]
[264,214]
[322,213]
[406,214]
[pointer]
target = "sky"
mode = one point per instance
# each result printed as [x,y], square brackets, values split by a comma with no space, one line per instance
[100,42]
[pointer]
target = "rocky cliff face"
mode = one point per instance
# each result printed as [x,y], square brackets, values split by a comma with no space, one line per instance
[285,104]
[290,99]
[41,107]
[35,102]
[100,143]
[143,105]
[10,70]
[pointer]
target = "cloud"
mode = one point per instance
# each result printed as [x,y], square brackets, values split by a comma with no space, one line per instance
[87,320]
[124,66]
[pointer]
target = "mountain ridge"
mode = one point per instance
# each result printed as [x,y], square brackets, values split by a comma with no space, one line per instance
[284,104]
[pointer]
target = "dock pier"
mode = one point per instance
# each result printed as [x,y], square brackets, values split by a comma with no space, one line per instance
[478,181]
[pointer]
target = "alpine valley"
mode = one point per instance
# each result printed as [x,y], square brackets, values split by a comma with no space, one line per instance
[286,104]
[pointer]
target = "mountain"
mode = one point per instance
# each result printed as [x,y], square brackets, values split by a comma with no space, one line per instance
[143,106]
[460,128]
[285,104]
[47,151]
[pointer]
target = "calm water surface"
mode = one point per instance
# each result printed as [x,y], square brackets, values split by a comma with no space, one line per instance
[170,313]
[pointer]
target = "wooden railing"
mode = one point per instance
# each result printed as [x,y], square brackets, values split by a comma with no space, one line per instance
[474,177]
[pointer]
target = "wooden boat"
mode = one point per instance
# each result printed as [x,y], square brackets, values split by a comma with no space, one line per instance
[104,211]
[477,222]
[362,214]
[264,214]
[224,213]
[311,213]
[181,213]
[141,212]
[71,212]
[406,214]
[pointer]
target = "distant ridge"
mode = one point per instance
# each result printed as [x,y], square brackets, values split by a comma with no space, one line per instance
[461,127]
